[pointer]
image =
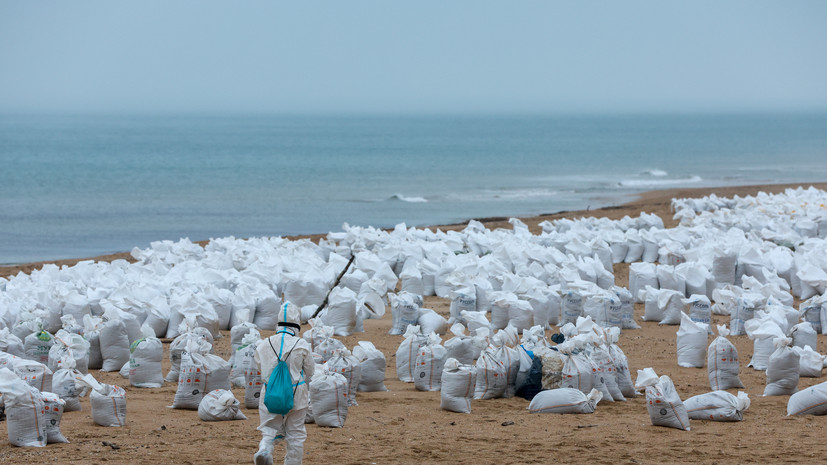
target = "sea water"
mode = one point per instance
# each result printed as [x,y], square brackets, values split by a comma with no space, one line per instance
[79,186]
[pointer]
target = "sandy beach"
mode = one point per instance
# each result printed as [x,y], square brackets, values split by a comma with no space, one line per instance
[407,426]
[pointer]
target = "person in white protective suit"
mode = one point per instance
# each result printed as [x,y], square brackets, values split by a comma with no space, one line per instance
[290,427]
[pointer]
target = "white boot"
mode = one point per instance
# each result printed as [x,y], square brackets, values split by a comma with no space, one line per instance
[264,456]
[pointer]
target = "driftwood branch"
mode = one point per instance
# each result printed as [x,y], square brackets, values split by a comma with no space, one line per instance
[338,278]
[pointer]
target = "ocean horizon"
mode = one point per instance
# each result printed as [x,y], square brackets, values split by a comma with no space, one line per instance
[79,186]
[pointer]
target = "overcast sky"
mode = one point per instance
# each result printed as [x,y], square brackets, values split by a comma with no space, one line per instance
[446,56]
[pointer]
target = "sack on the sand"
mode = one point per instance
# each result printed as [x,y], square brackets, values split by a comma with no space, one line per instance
[511,360]
[553,363]
[407,351]
[69,346]
[114,344]
[38,375]
[782,370]
[670,303]
[191,378]
[372,363]
[328,398]
[37,345]
[722,363]
[64,385]
[565,400]
[340,312]
[717,406]
[430,360]
[11,344]
[25,417]
[627,307]
[458,382]
[461,347]
[432,322]
[600,356]
[622,373]
[803,334]
[241,359]
[220,405]
[642,275]
[699,308]
[404,310]
[572,306]
[145,363]
[53,412]
[811,312]
[344,363]
[763,333]
[662,400]
[692,337]
[810,401]
[577,370]
[475,321]
[91,332]
[179,344]
[744,311]
[492,378]
[462,300]
[810,362]
[651,309]
[245,356]
[108,402]
[217,373]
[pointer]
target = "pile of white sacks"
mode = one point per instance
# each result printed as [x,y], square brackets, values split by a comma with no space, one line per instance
[742,257]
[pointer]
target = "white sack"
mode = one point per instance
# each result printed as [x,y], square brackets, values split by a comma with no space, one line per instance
[564,400]
[717,406]
[220,405]
[458,383]
[692,339]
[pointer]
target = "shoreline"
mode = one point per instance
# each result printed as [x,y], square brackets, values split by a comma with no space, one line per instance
[653,201]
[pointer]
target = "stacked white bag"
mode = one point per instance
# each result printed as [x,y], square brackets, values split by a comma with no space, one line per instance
[114,342]
[430,360]
[565,400]
[408,350]
[717,406]
[145,361]
[810,401]
[328,398]
[782,370]
[662,400]
[722,363]
[108,402]
[372,363]
[344,363]
[53,413]
[25,420]
[692,339]
[220,405]
[404,310]
[458,383]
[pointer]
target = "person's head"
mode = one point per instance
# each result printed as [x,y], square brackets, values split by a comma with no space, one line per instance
[289,317]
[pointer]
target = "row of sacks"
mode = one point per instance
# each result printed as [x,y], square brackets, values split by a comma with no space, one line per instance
[522,310]
[486,367]
[667,409]
[214,285]
[33,415]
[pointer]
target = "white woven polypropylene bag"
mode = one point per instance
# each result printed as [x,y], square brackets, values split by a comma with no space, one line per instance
[220,405]
[565,400]
[458,383]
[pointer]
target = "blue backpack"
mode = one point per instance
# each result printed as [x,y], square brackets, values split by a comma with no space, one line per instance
[279,389]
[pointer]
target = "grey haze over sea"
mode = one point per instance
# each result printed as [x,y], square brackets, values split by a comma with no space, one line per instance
[79,186]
